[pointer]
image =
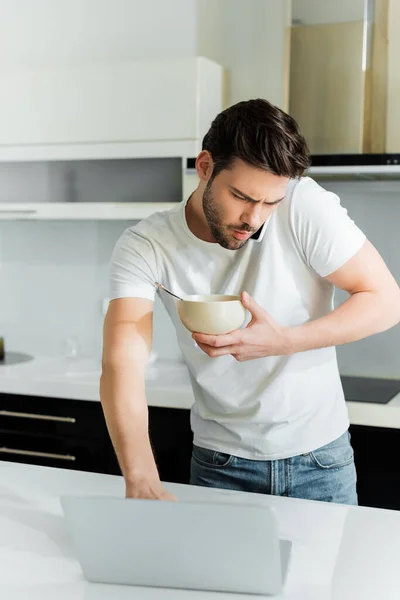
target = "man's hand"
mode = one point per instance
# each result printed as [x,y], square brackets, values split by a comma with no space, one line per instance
[147,489]
[262,337]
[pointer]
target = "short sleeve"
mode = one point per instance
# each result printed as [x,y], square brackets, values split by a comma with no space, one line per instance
[327,235]
[133,269]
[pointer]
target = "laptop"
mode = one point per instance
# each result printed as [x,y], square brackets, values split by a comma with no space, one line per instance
[185,544]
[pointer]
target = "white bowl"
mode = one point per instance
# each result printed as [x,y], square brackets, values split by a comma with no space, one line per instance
[212,314]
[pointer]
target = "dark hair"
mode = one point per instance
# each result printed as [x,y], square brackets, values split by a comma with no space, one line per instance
[261,135]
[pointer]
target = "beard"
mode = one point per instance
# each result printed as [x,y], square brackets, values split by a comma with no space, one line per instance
[221,232]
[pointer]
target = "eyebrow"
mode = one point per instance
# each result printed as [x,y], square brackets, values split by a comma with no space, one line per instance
[253,199]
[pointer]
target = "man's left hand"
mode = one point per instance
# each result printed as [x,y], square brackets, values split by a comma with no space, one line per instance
[262,337]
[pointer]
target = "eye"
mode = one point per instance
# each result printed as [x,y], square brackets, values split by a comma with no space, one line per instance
[244,199]
[238,197]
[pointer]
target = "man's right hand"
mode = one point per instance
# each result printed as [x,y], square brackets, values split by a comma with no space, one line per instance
[151,489]
[128,329]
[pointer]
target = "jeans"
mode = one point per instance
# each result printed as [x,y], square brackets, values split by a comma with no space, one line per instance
[327,474]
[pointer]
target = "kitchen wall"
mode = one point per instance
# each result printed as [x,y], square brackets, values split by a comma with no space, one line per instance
[54,277]
[252,39]
[375,207]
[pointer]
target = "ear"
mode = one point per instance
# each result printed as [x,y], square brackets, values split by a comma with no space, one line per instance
[204,165]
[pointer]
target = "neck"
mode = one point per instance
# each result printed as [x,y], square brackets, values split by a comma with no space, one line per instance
[195,217]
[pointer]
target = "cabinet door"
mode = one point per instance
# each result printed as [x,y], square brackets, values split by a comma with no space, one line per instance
[171,440]
[54,432]
[51,416]
[125,102]
[171,437]
[376,451]
[66,453]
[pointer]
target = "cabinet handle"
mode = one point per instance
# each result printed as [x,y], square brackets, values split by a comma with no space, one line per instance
[5,450]
[10,413]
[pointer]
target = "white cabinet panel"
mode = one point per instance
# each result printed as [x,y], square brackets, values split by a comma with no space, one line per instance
[91,211]
[99,104]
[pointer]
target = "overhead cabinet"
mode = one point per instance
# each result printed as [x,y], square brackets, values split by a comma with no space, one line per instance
[103,141]
[157,108]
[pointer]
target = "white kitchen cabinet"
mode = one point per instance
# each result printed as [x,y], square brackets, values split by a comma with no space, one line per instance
[120,110]
[103,117]
[85,211]
[89,189]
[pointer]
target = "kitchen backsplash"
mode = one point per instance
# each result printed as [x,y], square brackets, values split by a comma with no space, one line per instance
[54,278]
[375,207]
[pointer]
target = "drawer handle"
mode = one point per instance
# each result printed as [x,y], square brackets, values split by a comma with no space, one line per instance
[5,450]
[22,211]
[9,413]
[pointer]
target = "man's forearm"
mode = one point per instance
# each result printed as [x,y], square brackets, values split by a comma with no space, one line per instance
[124,404]
[362,315]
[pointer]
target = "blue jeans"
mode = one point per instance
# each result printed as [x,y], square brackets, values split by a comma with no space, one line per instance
[327,474]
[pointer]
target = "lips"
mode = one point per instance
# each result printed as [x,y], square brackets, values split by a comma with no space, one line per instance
[241,235]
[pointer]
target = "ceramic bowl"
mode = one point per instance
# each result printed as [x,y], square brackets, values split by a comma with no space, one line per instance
[212,314]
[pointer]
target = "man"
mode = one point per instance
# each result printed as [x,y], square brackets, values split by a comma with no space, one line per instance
[269,415]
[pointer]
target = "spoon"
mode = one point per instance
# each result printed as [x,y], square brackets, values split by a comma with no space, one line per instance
[161,287]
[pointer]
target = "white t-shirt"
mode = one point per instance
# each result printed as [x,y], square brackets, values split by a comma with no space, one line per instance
[268,408]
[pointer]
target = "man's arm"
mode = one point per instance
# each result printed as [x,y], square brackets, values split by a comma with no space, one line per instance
[126,350]
[373,307]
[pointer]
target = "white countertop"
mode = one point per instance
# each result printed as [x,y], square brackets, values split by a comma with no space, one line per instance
[339,552]
[167,384]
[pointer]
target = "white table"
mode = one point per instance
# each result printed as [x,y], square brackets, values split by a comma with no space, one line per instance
[339,552]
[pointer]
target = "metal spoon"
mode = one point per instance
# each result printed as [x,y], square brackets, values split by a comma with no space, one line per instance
[161,287]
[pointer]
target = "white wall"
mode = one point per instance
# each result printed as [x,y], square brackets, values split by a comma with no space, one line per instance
[249,39]
[49,32]
[54,277]
[375,207]
[311,12]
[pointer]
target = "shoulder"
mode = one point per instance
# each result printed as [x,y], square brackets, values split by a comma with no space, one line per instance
[309,201]
[306,191]
[157,223]
[153,229]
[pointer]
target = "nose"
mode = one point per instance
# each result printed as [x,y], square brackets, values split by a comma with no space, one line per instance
[252,215]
